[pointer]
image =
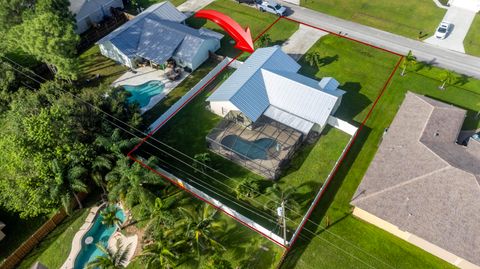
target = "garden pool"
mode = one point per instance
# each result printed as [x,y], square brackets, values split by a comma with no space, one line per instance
[257,149]
[143,93]
[100,234]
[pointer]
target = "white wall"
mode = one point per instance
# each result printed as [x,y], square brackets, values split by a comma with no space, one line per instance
[342,125]
[109,50]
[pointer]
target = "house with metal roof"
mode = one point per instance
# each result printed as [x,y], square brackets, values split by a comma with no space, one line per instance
[268,84]
[159,34]
[89,12]
[424,187]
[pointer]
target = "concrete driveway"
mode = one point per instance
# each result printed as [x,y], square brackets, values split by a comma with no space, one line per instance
[299,43]
[461,19]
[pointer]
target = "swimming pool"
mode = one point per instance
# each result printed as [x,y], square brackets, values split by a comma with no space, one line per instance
[143,93]
[100,234]
[257,149]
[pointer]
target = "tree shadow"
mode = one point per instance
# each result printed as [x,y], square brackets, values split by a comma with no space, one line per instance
[462,80]
[358,101]
[328,197]
[328,60]
[426,64]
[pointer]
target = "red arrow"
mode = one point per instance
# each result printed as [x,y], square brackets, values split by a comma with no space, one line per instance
[242,37]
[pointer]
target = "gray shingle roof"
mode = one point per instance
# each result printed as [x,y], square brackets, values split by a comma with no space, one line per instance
[269,78]
[156,34]
[423,182]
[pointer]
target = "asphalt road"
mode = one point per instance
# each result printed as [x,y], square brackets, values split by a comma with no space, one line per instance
[456,61]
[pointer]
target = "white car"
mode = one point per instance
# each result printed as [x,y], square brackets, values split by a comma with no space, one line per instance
[272,7]
[443,29]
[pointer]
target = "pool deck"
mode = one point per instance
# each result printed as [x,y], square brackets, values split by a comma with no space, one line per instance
[130,241]
[77,239]
[146,74]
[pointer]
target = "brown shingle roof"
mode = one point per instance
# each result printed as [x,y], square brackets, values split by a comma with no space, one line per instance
[423,182]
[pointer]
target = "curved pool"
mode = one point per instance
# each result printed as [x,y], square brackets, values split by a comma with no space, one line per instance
[144,92]
[99,233]
[258,149]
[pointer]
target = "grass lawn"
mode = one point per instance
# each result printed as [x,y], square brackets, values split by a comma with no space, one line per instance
[245,16]
[472,40]
[17,230]
[348,240]
[54,249]
[92,63]
[392,16]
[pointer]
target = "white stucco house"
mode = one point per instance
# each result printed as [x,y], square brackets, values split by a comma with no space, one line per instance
[89,12]
[268,84]
[157,35]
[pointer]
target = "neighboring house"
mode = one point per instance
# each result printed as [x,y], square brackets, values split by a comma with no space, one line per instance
[2,235]
[89,12]
[268,84]
[157,35]
[424,187]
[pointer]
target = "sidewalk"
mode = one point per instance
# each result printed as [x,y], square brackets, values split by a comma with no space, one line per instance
[191,6]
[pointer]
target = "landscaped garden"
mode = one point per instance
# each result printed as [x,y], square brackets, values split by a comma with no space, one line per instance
[472,40]
[347,240]
[392,16]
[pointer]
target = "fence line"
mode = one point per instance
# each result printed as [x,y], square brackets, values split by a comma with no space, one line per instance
[165,117]
[11,261]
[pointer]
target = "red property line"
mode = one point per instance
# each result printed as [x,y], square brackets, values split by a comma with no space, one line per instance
[342,36]
[343,156]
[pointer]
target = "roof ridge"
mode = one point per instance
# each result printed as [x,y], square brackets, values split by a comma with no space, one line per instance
[448,166]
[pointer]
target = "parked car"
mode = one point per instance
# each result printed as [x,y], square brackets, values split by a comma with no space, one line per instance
[272,7]
[443,30]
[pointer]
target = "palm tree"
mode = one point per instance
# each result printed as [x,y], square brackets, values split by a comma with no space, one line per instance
[201,160]
[264,41]
[68,183]
[409,61]
[313,59]
[109,216]
[447,78]
[248,188]
[201,227]
[111,259]
[161,254]
[127,182]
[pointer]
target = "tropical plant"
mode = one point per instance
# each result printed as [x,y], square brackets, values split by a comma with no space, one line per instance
[161,254]
[201,228]
[409,61]
[248,188]
[281,196]
[447,77]
[68,183]
[200,161]
[128,180]
[314,59]
[217,262]
[109,216]
[264,41]
[111,258]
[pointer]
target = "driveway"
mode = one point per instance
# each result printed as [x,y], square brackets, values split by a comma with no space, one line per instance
[461,19]
[302,40]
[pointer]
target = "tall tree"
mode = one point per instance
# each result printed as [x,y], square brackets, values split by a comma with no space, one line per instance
[68,181]
[51,39]
[200,161]
[408,61]
[109,216]
[111,258]
[314,59]
[161,254]
[11,12]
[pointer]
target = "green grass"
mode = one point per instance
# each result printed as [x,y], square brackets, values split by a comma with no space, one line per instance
[472,40]
[348,240]
[92,63]
[245,16]
[151,115]
[392,16]
[54,249]
[17,230]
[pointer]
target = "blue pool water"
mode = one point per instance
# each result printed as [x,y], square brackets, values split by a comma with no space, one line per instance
[257,149]
[143,93]
[100,233]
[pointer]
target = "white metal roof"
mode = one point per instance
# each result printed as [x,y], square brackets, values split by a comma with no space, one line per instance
[268,84]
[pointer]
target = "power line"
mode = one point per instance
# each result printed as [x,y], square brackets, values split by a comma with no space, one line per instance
[109,115]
